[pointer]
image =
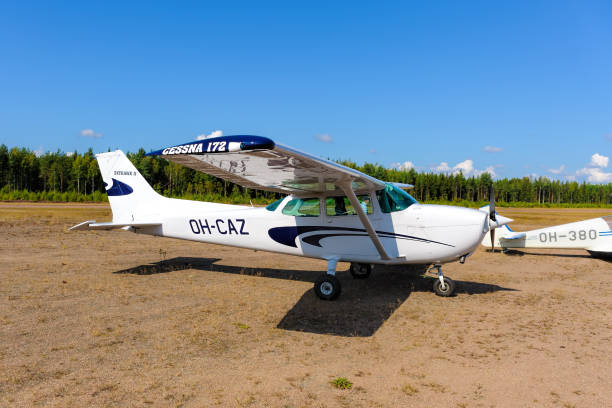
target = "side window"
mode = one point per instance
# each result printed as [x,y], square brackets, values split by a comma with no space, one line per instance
[303,207]
[342,206]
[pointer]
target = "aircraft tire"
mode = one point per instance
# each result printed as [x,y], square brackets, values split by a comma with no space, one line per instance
[327,287]
[450,287]
[360,271]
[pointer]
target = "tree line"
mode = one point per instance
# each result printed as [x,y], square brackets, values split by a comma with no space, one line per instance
[57,176]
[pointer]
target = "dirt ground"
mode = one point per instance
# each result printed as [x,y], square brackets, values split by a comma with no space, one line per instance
[109,319]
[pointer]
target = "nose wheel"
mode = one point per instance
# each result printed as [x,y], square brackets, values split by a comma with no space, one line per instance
[443,286]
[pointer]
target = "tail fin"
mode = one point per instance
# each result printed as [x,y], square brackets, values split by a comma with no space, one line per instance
[130,196]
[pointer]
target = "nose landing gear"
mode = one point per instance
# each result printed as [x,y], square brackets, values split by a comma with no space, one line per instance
[443,286]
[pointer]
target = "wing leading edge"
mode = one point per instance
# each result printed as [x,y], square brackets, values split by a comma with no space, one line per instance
[257,162]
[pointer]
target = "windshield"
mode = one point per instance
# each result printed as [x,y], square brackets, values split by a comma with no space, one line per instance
[393,199]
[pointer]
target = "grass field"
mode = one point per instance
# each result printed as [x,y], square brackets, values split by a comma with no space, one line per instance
[114,319]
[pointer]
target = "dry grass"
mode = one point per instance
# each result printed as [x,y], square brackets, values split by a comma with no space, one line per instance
[117,319]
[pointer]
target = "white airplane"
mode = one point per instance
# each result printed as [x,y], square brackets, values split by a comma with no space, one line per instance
[332,212]
[594,236]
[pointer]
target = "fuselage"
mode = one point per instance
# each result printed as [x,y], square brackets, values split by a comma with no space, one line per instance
[418,234]
[592,235]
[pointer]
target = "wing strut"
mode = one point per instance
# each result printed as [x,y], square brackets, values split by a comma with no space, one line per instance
[348,190]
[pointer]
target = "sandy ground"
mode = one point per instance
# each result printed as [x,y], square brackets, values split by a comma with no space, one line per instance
[111,319]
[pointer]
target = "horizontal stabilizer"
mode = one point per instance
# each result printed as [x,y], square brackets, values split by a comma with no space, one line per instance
[520,235]
[93,225]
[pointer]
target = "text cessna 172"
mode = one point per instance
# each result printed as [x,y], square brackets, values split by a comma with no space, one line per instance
[332,212]
[594,236]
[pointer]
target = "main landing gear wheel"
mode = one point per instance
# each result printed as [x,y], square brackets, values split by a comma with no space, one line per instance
[360,271]
[445,290]
[327,287]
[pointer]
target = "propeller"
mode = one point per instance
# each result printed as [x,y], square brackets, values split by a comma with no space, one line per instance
[492,216]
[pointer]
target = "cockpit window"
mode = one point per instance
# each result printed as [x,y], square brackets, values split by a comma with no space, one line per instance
[342,206]
[303,207]
[393,199]
[274,205]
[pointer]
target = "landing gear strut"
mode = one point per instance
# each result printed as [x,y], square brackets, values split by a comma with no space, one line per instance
[443,286]
[327,287]
[360,271]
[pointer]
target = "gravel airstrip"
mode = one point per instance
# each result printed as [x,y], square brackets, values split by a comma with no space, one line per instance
[115,319]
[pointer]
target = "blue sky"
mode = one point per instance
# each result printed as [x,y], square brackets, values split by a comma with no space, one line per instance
[428,84]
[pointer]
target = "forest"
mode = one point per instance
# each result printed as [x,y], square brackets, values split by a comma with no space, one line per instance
[59,176]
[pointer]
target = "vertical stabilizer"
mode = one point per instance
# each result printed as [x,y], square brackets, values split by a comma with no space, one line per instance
[130,196]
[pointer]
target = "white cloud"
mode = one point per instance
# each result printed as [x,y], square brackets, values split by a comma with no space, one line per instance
[325,138]
[466,167]
[490,170]
[90,133]
[492,149]
[594,171]
[405,166]
[39,152]
[571,178]
[598,160]
[595,175]
[441,168]
[69,154]
[203,136]
[557,171]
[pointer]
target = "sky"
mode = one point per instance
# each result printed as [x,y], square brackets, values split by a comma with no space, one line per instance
[515,89]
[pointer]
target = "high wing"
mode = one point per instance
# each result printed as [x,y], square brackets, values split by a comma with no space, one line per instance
[257,162]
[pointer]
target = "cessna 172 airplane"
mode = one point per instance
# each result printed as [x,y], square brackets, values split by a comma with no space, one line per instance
[594,236]
[332,212]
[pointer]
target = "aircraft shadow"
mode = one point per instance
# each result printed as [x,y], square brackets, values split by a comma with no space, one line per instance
[365,305]
[210,264]
[514,252]
[361,309]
